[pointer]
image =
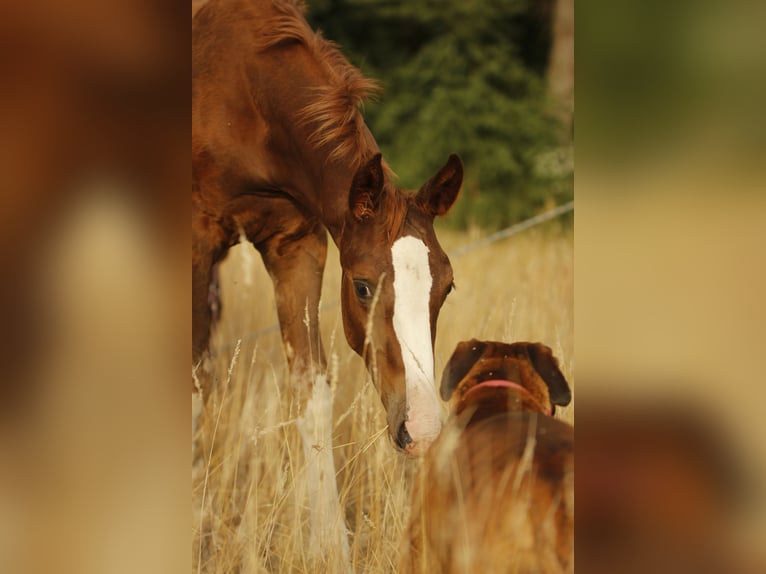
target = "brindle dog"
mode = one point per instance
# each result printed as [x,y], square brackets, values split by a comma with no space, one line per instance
[496,491]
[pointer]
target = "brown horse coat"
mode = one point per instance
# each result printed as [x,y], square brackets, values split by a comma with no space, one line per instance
[281,154]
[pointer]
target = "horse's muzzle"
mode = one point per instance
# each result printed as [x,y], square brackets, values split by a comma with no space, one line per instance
[403,438]
[410,446]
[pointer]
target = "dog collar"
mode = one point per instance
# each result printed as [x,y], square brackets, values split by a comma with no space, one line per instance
[499,383]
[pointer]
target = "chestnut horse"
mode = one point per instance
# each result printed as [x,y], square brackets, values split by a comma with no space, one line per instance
[281,154]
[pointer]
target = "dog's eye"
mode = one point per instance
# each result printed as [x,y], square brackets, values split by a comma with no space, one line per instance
[450,288]
[363,290]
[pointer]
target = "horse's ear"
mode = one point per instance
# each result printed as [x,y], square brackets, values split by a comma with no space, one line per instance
[460,363]
[547,367]
[366,188]
[439,193]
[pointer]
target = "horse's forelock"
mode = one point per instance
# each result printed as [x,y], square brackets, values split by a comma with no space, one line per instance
[399,209]
[395,208]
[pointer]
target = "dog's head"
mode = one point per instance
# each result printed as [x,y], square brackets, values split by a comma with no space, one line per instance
[530,366]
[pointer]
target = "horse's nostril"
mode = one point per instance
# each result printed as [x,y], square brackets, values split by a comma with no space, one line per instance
[403,437]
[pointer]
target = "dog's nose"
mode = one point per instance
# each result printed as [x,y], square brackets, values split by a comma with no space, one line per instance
[403,438]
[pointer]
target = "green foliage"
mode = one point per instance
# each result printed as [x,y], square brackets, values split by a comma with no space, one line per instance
[459,76]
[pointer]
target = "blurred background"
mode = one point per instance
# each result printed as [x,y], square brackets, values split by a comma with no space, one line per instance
[670,277]
[94,297]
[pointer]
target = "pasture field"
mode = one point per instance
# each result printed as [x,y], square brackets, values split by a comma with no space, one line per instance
[247,513]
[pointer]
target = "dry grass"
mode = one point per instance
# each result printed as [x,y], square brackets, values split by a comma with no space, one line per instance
[248,512]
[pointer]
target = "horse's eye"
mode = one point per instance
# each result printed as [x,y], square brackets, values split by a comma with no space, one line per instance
[363,290]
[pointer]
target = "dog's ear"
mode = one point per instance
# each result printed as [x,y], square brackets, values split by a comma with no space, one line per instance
[463,358]
[547,367]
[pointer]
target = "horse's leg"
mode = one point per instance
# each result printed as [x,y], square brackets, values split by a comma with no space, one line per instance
[202,276]
[295,260]
[208,247]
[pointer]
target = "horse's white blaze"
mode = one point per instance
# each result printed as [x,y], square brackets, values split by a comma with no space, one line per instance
[412,325]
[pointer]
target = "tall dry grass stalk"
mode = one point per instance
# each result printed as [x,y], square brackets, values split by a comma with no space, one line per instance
[248,512]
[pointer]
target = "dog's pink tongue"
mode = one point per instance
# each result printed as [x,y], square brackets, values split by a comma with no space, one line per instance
[495,383]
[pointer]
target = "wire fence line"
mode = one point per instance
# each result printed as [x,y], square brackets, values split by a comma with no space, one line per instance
[483,242]
[513,229]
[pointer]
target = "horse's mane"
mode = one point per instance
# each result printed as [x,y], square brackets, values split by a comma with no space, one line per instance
[335,112]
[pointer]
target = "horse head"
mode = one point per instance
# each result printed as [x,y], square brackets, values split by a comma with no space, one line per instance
[395,280]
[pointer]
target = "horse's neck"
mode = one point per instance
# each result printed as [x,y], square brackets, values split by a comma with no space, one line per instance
[320,190]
